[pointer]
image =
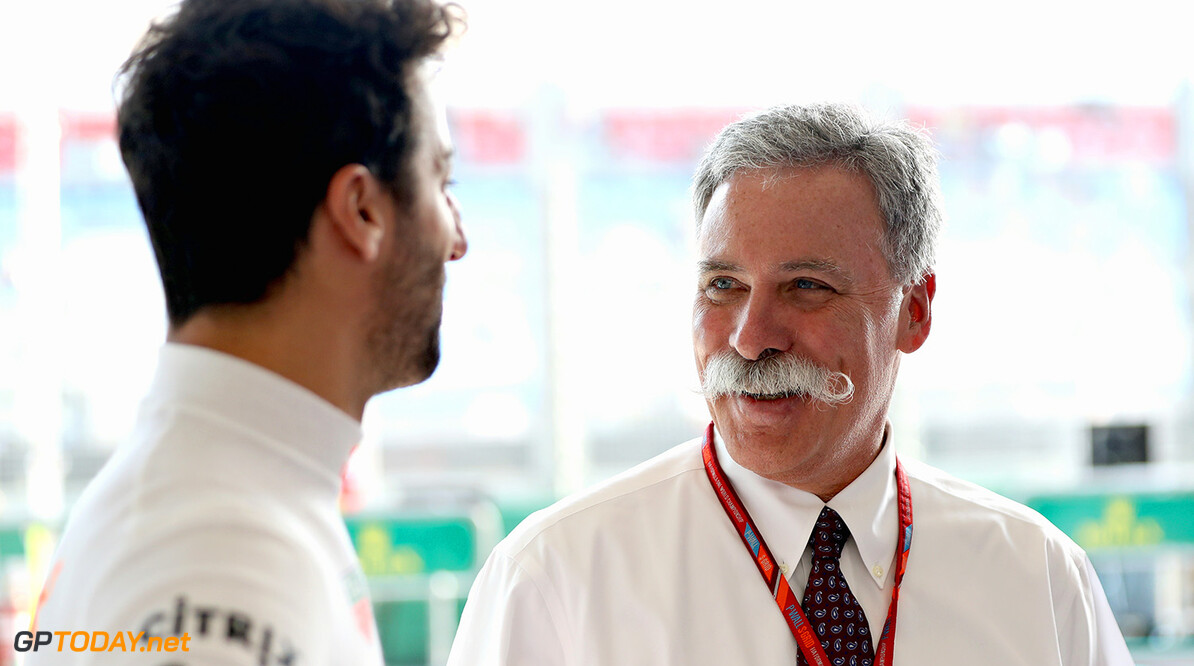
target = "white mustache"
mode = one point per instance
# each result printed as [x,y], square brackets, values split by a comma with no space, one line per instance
[727,373]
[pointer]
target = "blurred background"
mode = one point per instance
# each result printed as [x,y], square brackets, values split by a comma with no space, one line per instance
[1060,371]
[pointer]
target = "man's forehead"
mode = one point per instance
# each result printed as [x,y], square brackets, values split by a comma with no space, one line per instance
[817,218]
[774,180]
[435,108]
[813,195]
[811,265]
[443,134]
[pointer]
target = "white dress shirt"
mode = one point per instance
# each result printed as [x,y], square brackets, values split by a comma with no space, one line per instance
[647,569]
[219,520]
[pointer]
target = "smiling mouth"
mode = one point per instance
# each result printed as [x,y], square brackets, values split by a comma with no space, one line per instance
[769,396]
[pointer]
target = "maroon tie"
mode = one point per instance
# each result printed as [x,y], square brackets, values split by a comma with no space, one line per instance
[831,609]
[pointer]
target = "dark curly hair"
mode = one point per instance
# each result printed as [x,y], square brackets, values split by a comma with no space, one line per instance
[235,114]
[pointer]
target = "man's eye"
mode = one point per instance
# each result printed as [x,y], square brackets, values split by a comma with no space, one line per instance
[807,284]
[722,289]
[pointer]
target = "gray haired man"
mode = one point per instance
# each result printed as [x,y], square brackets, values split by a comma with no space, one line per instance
[791,532]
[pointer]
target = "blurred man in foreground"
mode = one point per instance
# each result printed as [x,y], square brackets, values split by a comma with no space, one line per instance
[292,165]
[791,533]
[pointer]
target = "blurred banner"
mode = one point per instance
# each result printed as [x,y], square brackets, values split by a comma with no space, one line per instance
[1060,371]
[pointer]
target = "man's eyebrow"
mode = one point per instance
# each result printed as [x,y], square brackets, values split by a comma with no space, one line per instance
[706,266]
[713,266]
[810,264]
[818,265]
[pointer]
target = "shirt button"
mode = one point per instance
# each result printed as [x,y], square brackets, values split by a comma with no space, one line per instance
[877,570]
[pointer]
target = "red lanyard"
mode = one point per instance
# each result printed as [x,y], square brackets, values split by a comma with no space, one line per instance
[789,607]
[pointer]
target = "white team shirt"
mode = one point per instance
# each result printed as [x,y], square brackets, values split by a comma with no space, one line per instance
[647,569]
[219,520]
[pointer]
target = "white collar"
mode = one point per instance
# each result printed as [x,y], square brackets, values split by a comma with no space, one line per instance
[786,516]
[315,432]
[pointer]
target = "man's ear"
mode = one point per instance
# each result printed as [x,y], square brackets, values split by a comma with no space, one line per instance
[916,314]
[355,203]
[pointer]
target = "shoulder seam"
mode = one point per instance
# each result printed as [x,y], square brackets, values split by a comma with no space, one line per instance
[1025,514]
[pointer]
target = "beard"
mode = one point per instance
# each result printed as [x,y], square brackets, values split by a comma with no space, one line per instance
[403,342]
[778,376]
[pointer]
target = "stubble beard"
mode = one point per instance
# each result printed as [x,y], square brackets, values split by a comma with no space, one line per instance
[404,339]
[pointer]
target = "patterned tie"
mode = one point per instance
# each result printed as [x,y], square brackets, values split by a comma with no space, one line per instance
[832,611]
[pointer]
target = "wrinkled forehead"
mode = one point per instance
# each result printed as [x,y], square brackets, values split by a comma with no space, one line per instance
[796,187]
[821,212]
[779,168]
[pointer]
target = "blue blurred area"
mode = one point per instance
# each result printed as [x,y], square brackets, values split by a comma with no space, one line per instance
[1063,304]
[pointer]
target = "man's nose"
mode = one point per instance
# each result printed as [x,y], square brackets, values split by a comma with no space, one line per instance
[460,244]
[761,330]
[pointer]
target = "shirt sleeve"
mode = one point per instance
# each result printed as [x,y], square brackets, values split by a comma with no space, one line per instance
[1109,648]
[235,594]
[508,619]
[1087,634]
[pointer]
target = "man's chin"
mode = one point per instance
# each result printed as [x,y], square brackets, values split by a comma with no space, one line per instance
[766,451]
[414,371]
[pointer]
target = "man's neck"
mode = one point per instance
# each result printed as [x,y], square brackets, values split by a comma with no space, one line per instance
[860,464]
[828,475]
[305,353]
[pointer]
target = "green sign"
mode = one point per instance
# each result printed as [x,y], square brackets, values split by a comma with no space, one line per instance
[401,545]
[12,541]
[1121,521]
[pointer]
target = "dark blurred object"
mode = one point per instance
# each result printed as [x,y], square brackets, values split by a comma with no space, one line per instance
[1118,444]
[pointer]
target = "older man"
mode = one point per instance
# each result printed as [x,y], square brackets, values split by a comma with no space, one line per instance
[293,169]
[791,533]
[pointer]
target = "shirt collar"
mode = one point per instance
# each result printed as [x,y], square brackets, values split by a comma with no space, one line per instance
[786,515]
[319,434]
